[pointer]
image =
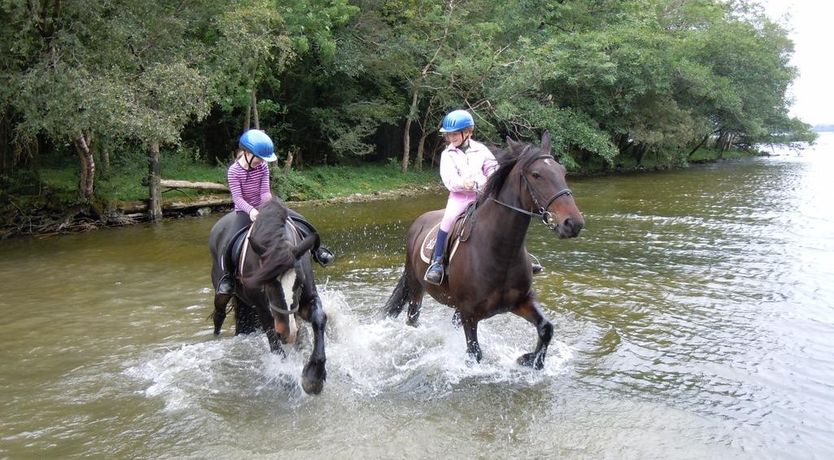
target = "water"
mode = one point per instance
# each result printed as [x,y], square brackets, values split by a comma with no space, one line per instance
[693,319]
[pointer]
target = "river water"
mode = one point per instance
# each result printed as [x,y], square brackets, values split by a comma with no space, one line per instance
[693,319]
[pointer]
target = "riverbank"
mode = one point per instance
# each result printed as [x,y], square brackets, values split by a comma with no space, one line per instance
[53,209]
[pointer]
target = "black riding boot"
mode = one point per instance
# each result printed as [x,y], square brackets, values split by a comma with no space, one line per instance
[434,275]
[537,268]
[226,284]
[535,265]
[323,256]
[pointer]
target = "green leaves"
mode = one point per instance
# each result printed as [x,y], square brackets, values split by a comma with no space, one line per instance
[342,79]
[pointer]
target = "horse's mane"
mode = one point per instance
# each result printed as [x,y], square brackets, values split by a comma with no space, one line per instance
[269,241]
[523,153]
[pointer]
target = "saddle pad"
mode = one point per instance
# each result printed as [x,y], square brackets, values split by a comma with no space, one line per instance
[427,246]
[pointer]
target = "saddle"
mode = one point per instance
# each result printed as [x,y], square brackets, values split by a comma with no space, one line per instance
[459,233]
[237,245]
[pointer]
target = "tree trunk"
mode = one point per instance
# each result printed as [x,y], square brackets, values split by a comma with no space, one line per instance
[288,162]
[88,167]
[641,155]
[424,134]
[255,110]
[698,146]
[415,95]
[154,178]
[421,150]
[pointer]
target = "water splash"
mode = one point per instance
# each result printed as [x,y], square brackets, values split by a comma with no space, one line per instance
[367,357]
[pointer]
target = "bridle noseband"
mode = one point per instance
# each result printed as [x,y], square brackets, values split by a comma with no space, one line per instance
[546,216]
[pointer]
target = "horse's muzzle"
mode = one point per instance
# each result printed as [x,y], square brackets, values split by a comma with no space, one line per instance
[569,228]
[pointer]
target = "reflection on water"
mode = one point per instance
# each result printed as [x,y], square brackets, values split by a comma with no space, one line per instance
[693,319]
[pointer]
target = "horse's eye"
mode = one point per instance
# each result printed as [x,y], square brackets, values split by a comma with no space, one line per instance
[535,174]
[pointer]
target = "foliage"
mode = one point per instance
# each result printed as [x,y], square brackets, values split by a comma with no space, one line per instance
[339,81]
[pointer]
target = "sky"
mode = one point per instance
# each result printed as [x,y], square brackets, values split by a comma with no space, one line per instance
[811,27]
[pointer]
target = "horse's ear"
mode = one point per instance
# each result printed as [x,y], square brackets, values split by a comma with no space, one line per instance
[305,245]
[511,144]
[257,247]
[546,141]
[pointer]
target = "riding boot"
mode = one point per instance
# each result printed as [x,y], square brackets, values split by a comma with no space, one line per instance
[537,268]
[434,275]
[226,284]
[323,256]
[535,265]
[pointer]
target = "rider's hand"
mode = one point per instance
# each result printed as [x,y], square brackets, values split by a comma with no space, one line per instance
[253,214]
[469,184]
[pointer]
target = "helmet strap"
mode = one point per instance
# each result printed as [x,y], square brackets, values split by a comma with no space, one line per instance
[464,145]
[250,157]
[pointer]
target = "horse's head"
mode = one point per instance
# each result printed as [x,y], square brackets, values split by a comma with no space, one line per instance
[542,190]
[275,271]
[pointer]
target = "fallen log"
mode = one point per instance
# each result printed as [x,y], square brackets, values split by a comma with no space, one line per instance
[132,207]
[187,184]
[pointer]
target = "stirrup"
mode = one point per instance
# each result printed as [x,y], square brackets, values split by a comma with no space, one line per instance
[434,274]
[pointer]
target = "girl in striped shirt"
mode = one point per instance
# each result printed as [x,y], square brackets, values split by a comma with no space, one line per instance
[248,180]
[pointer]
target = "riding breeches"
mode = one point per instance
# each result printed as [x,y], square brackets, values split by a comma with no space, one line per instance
[457,203]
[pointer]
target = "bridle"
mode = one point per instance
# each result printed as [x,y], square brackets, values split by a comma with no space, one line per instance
[539,210]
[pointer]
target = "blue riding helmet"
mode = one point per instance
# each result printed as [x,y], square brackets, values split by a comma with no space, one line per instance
[259,143]
[456,120]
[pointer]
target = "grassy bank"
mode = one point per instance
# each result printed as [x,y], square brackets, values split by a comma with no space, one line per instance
[47,201]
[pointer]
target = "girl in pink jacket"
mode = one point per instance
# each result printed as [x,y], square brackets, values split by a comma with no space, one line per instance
[465,166]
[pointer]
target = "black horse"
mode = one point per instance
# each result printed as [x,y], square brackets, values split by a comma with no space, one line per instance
[275,285]
[490,271]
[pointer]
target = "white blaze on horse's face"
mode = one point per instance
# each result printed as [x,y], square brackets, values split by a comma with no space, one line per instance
[548,162]
[287,283]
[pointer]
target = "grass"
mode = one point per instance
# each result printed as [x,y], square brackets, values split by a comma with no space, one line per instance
[125,180]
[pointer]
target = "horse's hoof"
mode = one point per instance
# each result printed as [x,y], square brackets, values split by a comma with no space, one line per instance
[312,379]
[312,387]
[529,360]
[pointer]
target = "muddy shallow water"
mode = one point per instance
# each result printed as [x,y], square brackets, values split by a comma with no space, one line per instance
[693,318]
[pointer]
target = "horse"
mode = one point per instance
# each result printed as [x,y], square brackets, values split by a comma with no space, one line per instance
[490,272]
[275,286]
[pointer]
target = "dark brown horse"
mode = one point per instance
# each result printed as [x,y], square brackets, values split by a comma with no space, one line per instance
[276,286]
[490,272]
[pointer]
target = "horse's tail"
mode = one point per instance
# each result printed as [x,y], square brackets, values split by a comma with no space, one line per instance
[398,298]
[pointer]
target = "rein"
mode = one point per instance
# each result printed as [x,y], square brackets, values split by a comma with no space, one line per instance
[272,307]
[547,216]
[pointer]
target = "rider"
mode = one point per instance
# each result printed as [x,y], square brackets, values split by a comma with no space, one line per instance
[465,165]
[248,180]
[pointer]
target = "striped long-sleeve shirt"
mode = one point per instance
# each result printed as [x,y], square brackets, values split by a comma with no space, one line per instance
[249,187]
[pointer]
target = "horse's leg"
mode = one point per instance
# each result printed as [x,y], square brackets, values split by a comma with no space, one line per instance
[531,311]
[244,317]
[267,325]
[456,318]
[219,315]
[275,342]
[415,300]
[470,329]
[314,373]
